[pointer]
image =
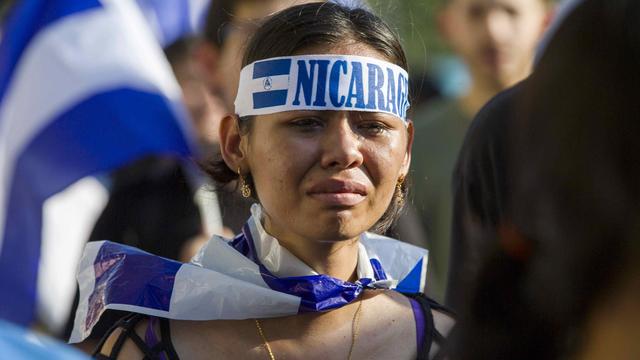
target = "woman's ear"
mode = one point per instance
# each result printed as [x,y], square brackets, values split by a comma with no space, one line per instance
[231,147]
[406,162]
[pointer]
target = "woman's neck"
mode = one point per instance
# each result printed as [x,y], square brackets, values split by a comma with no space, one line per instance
[338,259]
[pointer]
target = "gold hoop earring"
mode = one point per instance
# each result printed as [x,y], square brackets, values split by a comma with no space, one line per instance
[245,189]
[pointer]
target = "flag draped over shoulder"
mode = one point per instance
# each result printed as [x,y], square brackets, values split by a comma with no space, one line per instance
[249,276]
[84,88]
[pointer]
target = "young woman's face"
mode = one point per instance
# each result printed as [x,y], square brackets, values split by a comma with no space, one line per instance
[326,175]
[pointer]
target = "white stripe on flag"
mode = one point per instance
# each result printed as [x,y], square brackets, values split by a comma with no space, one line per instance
[194,298]
[86,283]
[74,58]
[278,82]
[197,13]
[68,219]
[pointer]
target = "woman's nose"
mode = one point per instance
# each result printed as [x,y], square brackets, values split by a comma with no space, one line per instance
[341,147]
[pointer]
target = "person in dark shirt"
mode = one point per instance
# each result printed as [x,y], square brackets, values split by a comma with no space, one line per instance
[480,189]
[480,182]
[560,278]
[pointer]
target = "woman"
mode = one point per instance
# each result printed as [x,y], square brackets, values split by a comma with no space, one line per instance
[321,140]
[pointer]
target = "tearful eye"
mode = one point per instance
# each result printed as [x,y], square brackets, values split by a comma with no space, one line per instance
[373,127]
[307,124]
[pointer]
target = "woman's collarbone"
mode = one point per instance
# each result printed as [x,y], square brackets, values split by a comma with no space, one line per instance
[384,319]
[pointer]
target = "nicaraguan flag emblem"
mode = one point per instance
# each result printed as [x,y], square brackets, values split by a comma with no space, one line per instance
[275,81]
[267,83]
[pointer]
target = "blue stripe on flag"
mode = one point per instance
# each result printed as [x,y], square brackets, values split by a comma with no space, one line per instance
[25,19]
[378,271]
[126,275]
[271,68]
[246,248]
[104,131]
[316,292]
[411,283]
[266,99]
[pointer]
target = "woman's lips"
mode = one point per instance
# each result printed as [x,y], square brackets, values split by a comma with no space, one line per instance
[337,192]
[339,199]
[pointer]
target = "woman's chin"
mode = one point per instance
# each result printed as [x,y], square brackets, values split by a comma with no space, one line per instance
[336,237]
[336,230]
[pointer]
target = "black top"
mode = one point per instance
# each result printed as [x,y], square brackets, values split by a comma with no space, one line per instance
[164,348]
[480,190]
[151,206]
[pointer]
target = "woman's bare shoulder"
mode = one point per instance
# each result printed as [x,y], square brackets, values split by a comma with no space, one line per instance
[393,299]
[443,320]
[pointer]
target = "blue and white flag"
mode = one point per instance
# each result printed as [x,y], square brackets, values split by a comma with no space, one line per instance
[171,20]
[84,88]
[323,82]
[250,276]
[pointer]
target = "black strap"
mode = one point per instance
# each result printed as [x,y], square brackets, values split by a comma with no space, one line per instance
[429,326]
[127,326]
[431,333]
[165,341]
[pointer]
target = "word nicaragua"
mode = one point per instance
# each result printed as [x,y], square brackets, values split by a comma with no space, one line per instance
[322,82]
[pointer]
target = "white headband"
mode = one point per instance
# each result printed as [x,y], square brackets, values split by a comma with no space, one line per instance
[322,82]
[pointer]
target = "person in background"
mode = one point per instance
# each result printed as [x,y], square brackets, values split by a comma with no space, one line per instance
[481,189]
[561,279]
[206,110]
[497,41]
[244,17]
[481,181]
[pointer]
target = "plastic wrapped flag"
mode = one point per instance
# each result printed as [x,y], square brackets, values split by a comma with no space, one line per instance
[84,88]
[249,276]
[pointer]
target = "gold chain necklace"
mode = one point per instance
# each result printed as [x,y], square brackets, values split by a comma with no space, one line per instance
[355,328]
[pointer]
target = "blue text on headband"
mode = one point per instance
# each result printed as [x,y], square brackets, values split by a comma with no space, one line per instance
[322,82]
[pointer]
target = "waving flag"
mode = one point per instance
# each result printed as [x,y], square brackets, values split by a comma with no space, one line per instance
[173,19]
[84,88]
